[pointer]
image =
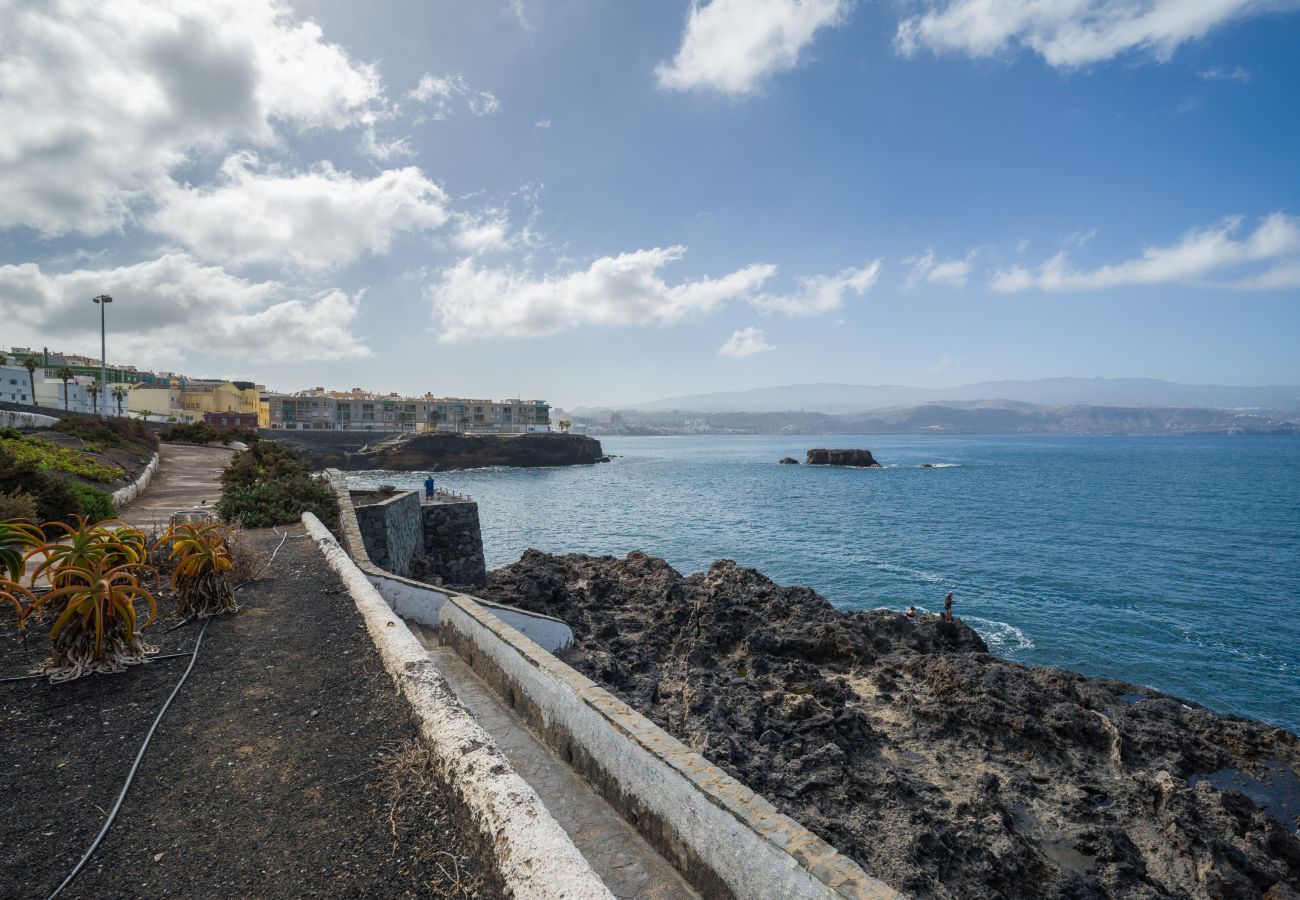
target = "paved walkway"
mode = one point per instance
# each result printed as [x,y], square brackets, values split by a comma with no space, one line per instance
[629,866]
[187,478]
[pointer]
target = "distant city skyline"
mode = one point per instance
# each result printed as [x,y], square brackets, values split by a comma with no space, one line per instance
[602,204]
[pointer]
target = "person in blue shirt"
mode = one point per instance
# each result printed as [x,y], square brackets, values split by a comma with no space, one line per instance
[428,488]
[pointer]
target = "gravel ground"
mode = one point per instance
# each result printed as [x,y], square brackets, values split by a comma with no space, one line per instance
[286,767]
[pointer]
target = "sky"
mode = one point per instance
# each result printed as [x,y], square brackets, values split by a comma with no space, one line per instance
[602,202]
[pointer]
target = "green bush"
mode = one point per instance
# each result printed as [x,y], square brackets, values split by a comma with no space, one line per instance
[12,434]
[280,501]
[55,501]
[203,433]
[262,462]
[96,504]
[16,506]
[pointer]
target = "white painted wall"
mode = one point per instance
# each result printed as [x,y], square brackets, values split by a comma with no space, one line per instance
[14,386]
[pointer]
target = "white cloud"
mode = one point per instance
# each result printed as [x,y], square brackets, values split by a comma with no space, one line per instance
[926,269]
[1068,33]
[469,301]
[520,12]
[542,124]
[820,293]
[101,101]
[174,306]
[1239,75]
[443,96]
[1274,244]
[731,46]
[745,342]
[319,219]
[484,232]
[946,362]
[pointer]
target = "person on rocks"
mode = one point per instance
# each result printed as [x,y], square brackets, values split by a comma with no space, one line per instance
[428,489]
[947,607]
[911,615]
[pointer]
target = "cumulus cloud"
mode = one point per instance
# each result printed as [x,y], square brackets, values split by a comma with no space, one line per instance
[820,293]
[927,269]
[445,95]
[1071,33]
[473,301]
[1271,251]
[732,46]
[101,101]
[173,306]
[319,219]
[745,342]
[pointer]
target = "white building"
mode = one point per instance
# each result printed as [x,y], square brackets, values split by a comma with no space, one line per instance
[50,392]
[14,385]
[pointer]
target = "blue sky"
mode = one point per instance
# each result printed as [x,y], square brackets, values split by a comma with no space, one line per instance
[602,202]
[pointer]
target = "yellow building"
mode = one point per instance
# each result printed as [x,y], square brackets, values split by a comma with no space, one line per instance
[142,398]
[198,398]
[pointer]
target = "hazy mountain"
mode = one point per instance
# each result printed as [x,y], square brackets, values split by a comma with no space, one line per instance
[1054,392]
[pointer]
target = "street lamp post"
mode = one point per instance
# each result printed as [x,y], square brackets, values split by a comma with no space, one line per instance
[102,301]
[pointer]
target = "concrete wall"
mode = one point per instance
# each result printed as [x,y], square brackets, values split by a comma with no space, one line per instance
[421,602]
[123,496]
[533,855]
[13,419]
[453,542]
[392,530]
[725,839]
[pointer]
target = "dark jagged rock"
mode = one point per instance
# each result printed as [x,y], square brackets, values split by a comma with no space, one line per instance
[788,461]
[942,769]
[861,459]
[439,452]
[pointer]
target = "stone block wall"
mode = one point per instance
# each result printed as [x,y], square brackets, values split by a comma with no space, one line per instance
[392,531]
[453,543]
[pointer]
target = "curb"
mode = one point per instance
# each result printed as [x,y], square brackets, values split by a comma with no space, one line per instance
[534,856]
[123,496]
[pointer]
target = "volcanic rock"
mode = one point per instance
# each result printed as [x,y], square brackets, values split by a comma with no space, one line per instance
[788,461]
[861,459]
[940,768]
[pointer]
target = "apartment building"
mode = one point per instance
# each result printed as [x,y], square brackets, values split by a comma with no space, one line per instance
[358,410]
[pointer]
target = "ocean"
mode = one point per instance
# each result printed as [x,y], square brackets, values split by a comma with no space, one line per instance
[1172,562]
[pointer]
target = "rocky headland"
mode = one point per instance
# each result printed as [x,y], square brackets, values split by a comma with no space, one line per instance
[440,452]
[861,459]
[944,770]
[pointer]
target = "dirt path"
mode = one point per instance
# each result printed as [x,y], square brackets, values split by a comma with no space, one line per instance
[275,773]
[188,478]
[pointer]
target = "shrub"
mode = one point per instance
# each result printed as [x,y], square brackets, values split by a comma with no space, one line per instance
[203,565]
[262,462]
[116,431]
[96,505]
[12,434]
[17,505]
[55,501]
[281,501]
[45,455]
[188,433]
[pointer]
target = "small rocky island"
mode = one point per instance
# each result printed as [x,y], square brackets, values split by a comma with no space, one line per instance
[860,459]
[440,452]
[940,768]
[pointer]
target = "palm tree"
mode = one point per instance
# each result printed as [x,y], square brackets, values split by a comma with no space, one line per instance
[65,375]
[144,414]
[565,425]
[31,362]
[119,394]
[433,420]
[95,387]
[464,421]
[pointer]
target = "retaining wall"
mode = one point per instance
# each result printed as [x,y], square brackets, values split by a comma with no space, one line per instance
[422,602]
[533,855]
[392,530]
[123,496]
[12,418]
[453,542]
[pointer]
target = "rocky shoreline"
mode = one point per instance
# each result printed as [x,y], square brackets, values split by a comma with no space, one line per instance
[439,452]
[942,769]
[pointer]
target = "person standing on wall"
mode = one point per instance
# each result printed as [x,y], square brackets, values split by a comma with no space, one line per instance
[428,489]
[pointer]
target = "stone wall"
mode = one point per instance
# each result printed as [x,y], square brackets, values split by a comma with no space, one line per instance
[392,530]
[453,543]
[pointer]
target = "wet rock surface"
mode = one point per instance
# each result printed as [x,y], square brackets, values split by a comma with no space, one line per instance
[942,769]
[861,459]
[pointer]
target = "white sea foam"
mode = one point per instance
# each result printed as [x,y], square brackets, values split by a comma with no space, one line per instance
[1002,637]
[900,570]
[945,465]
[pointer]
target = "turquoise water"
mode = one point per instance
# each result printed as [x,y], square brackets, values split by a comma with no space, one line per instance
[1170,562]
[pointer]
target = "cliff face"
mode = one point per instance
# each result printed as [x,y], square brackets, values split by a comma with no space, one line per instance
[944,770]
[858,458]
[440,452]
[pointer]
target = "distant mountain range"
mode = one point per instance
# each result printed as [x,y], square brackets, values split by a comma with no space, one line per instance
[833,399]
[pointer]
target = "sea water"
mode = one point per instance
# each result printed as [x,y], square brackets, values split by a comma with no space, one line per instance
[1172,562]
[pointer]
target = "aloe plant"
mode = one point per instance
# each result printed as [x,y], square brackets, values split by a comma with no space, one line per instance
[86,545]
[203,565]
[15,537]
